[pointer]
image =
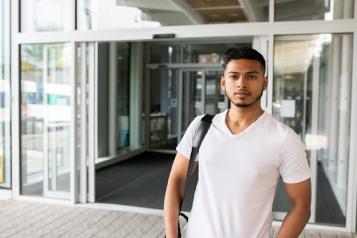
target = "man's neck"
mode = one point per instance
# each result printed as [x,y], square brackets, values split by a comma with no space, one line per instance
[243,116]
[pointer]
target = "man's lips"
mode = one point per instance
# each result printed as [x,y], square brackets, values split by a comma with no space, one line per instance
[242,93]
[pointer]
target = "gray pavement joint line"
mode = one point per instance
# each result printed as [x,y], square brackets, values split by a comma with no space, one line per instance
[25,217]
[18,209]
[154,225]
[32,217]
[97,221]
[68,222]
[61,221]
[108,224]
[38,217]
[114,227]
[69,230]
[92,222]
[128,219]
[7,217]
[122,223]
[4,204]
[148,227]
[157,229]
[138,221]
[52,216]
[82,221]
[129,184]
[80,227]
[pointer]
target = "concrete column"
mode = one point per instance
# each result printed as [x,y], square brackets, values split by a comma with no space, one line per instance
[136,87]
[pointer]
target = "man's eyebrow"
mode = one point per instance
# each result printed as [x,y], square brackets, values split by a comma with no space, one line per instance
[250,72]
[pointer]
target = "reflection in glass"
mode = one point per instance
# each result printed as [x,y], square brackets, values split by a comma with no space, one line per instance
[215,99]
[45,120]
[201,94]
[312,81]
[5,103]
[199,91]
[46,15]
[113,98]
[163,108]
[316,10]
[94,14]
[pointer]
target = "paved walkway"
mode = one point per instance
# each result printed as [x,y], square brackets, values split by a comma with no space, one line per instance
[33,219]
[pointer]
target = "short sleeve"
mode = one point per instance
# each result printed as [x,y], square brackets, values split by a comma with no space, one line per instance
[294,167]
[185,145]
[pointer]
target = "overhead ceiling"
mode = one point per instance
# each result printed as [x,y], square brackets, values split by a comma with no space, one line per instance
[214,11]
[190,12]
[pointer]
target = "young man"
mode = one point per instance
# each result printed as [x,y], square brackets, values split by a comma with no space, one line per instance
[240,161]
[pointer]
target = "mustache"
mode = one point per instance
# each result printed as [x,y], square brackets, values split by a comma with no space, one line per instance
[244,91]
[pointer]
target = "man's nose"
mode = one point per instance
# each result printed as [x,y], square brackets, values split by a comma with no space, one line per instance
[241,82]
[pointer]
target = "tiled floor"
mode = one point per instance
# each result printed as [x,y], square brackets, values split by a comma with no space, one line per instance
[19,219]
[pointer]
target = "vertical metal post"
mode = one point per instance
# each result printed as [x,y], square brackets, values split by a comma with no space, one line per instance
[73,127]
[92,120]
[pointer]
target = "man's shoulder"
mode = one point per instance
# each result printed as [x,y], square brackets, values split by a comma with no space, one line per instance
[216,117]
[276,127]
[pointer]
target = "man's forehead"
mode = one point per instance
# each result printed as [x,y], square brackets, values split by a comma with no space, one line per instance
[244,66]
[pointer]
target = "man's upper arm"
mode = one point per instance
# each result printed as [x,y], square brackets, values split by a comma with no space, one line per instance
[299,193]
[180,166]
[178,173]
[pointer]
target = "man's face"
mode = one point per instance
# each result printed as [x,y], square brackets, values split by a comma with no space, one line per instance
[244,82]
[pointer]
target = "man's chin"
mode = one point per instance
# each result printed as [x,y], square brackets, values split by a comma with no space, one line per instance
[242,105]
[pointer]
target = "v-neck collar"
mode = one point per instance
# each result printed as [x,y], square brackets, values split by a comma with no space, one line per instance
[252,125]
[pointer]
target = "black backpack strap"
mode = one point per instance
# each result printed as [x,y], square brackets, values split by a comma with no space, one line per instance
[200,134]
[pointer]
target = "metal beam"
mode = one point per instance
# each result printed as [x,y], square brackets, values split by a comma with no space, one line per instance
[191,14]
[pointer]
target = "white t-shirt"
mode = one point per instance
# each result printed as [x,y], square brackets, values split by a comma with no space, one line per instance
[238,175]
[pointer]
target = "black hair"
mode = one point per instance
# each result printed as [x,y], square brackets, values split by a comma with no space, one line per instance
[243,53]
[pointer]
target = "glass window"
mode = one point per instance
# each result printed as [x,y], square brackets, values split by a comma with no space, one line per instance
[46,15]
[163,108]
[312,82]
[313,10]
[5,100]
[93,14]
[45,120]
[113,98]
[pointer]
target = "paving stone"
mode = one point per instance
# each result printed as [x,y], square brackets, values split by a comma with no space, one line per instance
[21,219]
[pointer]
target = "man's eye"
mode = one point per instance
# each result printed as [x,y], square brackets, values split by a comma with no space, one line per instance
[251,76]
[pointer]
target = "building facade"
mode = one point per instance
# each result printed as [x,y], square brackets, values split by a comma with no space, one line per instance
[85,84]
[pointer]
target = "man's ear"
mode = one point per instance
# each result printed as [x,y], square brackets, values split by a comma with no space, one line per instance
[265,82]
[223,81]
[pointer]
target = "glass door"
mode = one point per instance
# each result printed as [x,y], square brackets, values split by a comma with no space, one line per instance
[163,108]
[46,101]
[312,95]
[201,93]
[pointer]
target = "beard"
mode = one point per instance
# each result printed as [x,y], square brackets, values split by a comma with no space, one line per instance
[243,105]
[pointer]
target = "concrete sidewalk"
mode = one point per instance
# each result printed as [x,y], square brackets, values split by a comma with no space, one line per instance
[33,219]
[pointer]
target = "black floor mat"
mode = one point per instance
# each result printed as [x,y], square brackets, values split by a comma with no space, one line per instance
[141,181]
